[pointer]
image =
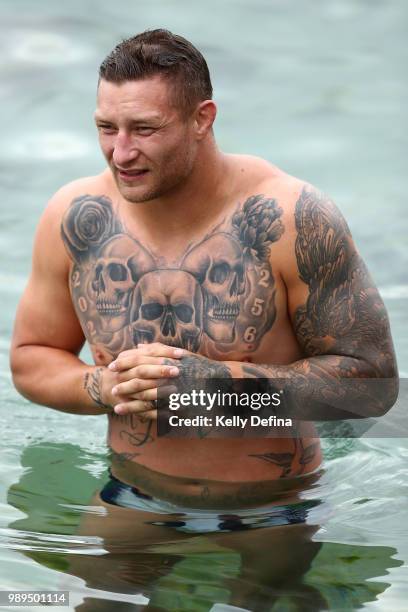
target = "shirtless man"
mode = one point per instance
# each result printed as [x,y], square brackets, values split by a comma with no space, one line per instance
[180,259]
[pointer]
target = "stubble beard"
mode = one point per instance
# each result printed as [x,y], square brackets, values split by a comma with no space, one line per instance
[145,196]
[164,185]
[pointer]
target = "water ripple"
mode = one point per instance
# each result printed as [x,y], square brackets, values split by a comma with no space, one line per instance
[50,542]
[52,146]
[394,292]
[43,47]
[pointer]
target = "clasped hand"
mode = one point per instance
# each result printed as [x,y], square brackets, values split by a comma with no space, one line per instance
[140,372]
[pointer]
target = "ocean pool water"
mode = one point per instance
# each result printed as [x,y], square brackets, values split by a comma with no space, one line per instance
[311,88]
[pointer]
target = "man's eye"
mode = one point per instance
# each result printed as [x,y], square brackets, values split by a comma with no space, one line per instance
[106,129]
[145,130]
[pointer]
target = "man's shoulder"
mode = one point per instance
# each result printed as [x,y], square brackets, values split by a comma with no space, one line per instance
[90,185]
[274,184]
[296,197]
[49,228]
[297,204]
[266,177]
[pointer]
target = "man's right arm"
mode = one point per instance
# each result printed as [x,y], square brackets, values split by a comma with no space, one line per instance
[47,336]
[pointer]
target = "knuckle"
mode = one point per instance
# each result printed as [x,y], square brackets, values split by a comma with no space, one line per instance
[140,371]
[146,406]
[135,386]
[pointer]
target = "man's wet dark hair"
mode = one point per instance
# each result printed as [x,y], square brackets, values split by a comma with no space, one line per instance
[159,52]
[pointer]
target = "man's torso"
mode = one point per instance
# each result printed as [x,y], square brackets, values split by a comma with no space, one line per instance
[217,291]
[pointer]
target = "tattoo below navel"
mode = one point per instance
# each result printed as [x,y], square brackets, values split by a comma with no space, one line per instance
[205,493]
[122,458]
[293,463]
[222,291]
[281,460]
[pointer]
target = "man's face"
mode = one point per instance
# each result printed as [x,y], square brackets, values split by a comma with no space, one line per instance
[149,146]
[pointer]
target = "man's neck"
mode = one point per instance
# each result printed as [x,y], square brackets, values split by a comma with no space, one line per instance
[196,201]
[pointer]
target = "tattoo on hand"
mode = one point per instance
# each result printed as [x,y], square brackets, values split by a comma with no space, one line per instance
[198,367]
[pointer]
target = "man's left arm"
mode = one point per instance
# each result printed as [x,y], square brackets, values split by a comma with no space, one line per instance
[349,368]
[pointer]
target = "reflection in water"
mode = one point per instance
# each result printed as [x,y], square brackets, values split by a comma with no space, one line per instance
[117,550]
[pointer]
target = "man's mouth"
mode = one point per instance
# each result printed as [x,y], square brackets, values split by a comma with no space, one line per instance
[132,175]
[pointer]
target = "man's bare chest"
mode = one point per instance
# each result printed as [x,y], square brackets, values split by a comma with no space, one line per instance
[217,298]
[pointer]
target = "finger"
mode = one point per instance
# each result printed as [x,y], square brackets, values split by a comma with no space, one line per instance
[156,394]
[157,349]
[153,371]
[133,359]
[140,384]
[151,415]
[145,409]
[125,360]
[136,385]
[133,386]
[149,371]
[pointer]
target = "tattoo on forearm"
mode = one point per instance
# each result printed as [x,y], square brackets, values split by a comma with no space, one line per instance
[92,384]
[344,314]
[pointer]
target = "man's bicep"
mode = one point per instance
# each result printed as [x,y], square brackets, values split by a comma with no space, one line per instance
[334,304]
[45,315]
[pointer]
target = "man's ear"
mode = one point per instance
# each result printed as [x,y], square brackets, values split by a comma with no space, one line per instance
[204,118]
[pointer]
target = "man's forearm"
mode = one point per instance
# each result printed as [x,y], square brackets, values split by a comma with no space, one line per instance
[58,379]
[326,387]
[321,388]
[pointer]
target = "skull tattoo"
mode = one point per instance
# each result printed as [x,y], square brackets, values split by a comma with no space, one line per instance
[167,307]
[218,264]
[120,264]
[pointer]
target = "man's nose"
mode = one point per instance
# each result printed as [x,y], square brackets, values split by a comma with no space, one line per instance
[125,150]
